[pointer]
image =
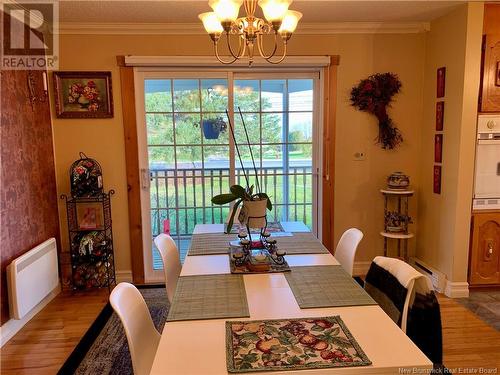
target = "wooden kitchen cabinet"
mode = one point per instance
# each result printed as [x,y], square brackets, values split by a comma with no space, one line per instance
[484,260]
[490,82]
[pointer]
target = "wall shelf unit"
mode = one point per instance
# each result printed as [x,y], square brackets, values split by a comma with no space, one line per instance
[396,220]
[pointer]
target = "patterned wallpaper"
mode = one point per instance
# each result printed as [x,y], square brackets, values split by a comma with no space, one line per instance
[28,212]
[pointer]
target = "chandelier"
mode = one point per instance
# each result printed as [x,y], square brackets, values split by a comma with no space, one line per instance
[250,30]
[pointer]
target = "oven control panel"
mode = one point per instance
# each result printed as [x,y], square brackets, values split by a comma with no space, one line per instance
[488,127]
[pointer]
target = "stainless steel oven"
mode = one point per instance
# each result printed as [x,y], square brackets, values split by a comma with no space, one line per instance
[487,177]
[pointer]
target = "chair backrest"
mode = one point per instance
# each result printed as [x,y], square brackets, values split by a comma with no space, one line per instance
[142,336]
[390,282]
[347,247]
[171,262]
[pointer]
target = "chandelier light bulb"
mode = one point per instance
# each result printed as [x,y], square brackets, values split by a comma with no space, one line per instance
[290,21]
[226,10]
[274,10]
[211,23]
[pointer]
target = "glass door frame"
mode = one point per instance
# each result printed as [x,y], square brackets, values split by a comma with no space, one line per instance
[142,73]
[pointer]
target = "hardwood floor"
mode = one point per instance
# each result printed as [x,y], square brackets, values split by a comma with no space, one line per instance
[467,340]
[42,346]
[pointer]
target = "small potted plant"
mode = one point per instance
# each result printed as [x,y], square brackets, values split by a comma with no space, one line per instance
[213,127]
[396,222]
[253,212]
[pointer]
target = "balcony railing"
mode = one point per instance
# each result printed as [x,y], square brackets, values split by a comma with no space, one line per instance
[181,198]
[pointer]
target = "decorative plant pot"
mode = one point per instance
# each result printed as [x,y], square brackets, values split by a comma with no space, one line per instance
[398,180]
[211,129]
[253,213]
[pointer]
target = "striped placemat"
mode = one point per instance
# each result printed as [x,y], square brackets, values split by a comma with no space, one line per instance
[210,243]
[209,297]
[301,243]
[326,286]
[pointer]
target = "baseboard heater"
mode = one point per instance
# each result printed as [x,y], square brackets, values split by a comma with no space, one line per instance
[31,277]
[438,279]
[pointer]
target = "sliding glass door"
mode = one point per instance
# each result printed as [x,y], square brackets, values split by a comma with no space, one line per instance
[187,154]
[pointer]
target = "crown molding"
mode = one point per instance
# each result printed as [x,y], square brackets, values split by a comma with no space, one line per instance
[84,28]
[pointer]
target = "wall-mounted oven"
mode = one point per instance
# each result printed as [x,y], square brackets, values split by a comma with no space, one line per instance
[487,175]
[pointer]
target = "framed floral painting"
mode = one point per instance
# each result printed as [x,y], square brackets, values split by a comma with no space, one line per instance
[83,94]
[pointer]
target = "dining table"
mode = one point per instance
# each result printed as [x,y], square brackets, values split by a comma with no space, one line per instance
[195,347]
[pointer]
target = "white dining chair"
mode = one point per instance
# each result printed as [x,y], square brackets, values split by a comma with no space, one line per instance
[142,336]
[347,247]
[171,262]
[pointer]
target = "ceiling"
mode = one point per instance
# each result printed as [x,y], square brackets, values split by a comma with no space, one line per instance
[326,11]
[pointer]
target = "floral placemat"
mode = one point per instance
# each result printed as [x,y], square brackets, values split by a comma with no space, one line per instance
[291,344]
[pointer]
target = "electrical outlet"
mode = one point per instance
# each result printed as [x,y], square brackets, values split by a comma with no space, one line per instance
[359,156]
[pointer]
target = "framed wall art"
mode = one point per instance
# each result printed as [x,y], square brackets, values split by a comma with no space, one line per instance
[438,148]
[89,216]
[439,116]
[441,82]
[83,94]
[437,179]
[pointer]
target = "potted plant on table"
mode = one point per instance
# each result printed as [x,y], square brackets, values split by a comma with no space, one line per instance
[253,212]
[254,204]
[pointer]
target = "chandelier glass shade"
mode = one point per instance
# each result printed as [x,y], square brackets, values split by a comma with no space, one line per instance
[249,31]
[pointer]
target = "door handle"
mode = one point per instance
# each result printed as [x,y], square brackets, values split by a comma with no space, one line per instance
[145,178]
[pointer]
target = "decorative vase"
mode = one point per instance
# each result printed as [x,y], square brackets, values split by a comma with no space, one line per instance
[253,213]
[83,101]
[211,129]
[398,180]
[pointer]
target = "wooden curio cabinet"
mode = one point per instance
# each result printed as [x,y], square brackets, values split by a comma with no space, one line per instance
[485,249]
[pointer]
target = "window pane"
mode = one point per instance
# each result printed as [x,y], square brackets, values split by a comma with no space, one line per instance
[187,129]
[186,95]
[273,95]
[161,157]
[300,154]
[246,95]
[248,164]
[214,95]
[252,124]
[300,129]
[160,129]
[216,157]
[158,96]
[215,128]
[215,183]
[272,127]
[188,157]
[272,154]
[300,94]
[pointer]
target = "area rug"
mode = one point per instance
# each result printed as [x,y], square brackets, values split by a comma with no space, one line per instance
[103,349]
[485,304]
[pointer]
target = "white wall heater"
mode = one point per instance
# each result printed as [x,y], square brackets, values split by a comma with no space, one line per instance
[32,277]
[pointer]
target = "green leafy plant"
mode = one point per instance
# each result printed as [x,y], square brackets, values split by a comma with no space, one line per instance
[239,194]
